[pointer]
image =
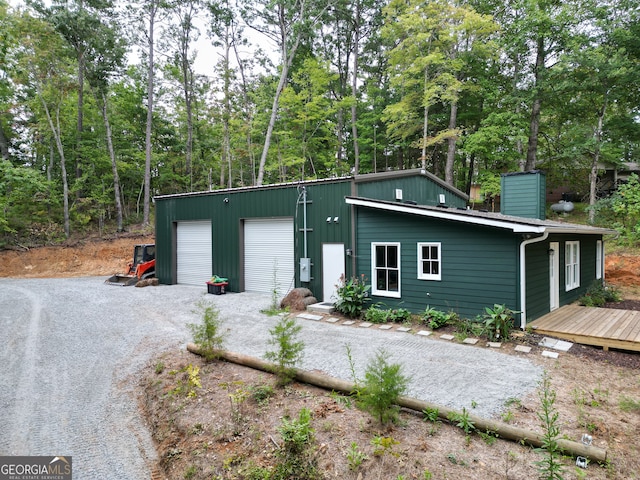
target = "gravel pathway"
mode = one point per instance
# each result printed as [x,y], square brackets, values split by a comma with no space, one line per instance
[73,347]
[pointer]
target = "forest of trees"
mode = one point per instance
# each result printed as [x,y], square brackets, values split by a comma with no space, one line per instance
[102,107]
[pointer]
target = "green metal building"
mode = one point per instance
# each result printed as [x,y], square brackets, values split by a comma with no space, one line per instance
[277,237]
[411,235]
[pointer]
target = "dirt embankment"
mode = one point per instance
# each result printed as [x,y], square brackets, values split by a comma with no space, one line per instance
[82,258]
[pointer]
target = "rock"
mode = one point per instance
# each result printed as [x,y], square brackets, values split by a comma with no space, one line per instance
[148,281]
[298,299]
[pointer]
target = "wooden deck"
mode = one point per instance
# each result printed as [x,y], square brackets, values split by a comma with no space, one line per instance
[602,327]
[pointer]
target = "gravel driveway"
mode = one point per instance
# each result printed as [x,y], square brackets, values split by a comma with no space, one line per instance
[72,348]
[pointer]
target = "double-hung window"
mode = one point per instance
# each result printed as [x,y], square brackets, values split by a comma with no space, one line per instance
[385,265]
[572,265]
[429,261]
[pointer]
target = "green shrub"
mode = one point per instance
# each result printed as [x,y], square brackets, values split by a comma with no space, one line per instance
[288,351]
[434,318]
[399,315]
[376,314]
[352,295]
[296,459]
[498,321]
[383,384]
[598,294]
[208,334]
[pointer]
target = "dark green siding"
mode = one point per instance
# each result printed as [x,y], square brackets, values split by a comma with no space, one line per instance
[537,279]
[479,264]
[537,265]
[415,188]
[323,200]
[523,195]
[587,267]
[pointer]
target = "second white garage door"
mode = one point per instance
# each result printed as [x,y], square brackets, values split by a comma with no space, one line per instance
[268,255]
[193,252]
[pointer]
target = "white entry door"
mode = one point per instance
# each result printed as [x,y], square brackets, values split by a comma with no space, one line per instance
[554,275]
[332,270]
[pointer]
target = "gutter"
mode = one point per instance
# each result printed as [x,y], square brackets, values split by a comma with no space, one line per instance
[523,276]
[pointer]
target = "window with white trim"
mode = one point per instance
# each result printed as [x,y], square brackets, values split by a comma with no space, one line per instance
[429,261]
[572,265]
[599,257]
[385,265]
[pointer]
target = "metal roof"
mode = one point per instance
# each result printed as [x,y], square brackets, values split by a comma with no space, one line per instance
[476,217]
[361,178]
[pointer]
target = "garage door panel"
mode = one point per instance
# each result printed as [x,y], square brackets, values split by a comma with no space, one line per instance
[194,252]
[268,252]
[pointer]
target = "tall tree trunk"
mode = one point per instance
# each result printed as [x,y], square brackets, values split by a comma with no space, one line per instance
[114,166]
[534,125]
[63,168]
[354,91]
[153,9]
[248,116]
[593,174]
[226,116]
[451,141]
[425,123]
[4,145]
[287,54]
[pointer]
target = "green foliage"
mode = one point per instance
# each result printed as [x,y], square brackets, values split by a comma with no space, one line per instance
[628,404]
[208,334]
[431,414]
[498,321]
[261,393]
[355,457]
[352,295]
[296,459]
[435,318]
[550,467]
[384,446]
[188,381]
[288,351]
[376,314]
[598,294]
[462,420]
[626,204]
[384,383]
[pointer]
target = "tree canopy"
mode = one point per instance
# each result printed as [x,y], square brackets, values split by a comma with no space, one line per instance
[104,104]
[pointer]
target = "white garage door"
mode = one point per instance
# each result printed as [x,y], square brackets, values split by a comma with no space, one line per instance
[268,255]
[193,256]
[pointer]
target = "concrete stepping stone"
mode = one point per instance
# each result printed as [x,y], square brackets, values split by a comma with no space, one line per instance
[548,354]
[523,349]
[365,324]
[470,341]
[424,333]
[331,320]
[446,336]
[385,327]
[404,329]
[494,344]
[556,344]
[310,316]
[348,322]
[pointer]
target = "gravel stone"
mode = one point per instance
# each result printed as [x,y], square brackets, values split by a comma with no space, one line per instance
[73,349]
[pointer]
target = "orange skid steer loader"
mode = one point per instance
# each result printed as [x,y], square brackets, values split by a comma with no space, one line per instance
[143,266]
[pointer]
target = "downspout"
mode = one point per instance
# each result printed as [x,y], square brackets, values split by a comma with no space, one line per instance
[523,277]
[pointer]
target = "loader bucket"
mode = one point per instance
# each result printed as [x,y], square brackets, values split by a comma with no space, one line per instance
[122,280]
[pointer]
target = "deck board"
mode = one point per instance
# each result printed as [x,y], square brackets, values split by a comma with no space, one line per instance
[602,327]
